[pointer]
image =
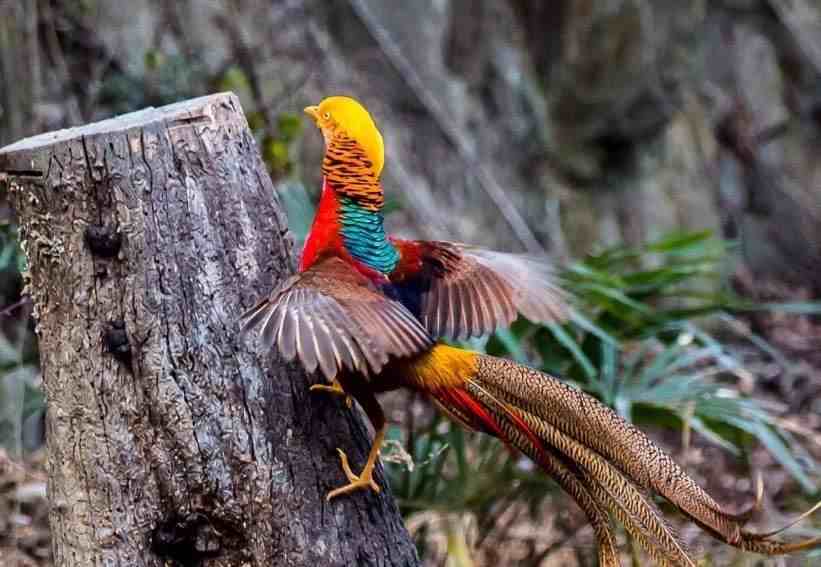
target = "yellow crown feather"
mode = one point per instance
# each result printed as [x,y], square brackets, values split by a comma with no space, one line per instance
[345,113]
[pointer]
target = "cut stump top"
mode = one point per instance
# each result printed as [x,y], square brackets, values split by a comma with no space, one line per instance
[25,157]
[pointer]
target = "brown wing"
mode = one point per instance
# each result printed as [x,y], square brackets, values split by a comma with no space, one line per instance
[461,291]
[331,316]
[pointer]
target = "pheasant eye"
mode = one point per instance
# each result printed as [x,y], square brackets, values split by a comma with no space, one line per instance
[327,115]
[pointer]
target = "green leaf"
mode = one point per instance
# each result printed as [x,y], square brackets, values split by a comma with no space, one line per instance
[457,441]
[680,241]
[697,425]
[573,347]
[511,345]
[794,307]
[581,272]
[775,445]
[617,296]
[586,324]
[289,126]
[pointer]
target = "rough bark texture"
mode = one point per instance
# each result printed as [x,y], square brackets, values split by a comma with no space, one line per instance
[169,439]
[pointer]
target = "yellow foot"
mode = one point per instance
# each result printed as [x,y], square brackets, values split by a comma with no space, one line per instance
[356,482]
[334,388]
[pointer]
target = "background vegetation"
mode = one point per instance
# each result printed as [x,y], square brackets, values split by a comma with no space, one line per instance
[666,154]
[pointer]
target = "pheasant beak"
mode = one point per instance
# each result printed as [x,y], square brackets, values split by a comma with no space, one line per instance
[313,112]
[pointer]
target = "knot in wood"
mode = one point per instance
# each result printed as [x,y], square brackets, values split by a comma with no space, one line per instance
[193,538]
[116,342]
[103,240]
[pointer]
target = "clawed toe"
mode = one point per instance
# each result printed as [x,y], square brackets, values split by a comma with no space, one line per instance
[362,481]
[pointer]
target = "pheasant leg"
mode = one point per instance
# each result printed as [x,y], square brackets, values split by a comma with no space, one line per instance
[364,479]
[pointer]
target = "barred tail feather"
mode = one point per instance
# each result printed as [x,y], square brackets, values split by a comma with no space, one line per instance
[471,413]
[611,489]
[614,456]
[577,486]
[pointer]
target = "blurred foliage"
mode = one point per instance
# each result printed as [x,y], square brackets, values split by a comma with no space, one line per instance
[277,148]
[21,400]
[12,259]
[651,342]
[168,78]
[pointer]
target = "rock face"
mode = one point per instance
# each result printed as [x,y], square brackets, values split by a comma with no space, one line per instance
[515,123]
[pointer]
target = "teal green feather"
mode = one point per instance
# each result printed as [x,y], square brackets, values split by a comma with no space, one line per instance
[365,238]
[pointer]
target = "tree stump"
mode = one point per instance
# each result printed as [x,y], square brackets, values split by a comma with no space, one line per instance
[170,440]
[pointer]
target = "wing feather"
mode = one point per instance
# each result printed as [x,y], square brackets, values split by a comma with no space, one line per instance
[409,323]
[350,354]
[451,296]
[308,349]
[475,309]
[328,357]
[501,299]
[372,346]
[288,336]
[331,318]
[491,310]
[439,313]
[460,291]
[255,316]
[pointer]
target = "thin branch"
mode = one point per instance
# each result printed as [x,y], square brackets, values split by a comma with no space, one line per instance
[22,302]
[804,23]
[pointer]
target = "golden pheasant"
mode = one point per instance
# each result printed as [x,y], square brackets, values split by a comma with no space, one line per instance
[367,309]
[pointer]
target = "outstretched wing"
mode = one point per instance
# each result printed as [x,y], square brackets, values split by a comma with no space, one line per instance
[461,291]
[332,317]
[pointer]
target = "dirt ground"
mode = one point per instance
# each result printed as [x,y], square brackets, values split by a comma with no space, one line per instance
[24,533]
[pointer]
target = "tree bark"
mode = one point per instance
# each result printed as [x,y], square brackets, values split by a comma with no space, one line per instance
[170,440]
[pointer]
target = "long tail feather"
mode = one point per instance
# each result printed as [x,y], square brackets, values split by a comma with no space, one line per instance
[764,544]
[605,463]
[639,516]
[592,433]
[574,483]
[595,426]
[471,413]
[642,519]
